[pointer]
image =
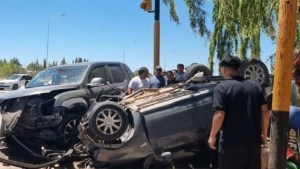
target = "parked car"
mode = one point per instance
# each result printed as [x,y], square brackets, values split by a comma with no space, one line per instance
[15,81]
[48,110]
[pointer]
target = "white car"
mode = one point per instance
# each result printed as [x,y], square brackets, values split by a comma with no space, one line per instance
[15,81]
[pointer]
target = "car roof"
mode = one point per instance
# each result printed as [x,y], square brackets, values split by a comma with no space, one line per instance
[21,74]
[85,64]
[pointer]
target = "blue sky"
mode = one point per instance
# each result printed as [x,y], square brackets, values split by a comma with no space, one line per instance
[101,30]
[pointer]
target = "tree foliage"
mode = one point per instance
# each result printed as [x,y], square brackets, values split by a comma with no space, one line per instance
[238,25]
[10,67]
[196,12]
[80,60]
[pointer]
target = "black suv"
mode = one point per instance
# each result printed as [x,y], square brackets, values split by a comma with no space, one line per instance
[48,110]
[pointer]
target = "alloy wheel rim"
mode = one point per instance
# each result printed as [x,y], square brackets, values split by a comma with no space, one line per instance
[109,121]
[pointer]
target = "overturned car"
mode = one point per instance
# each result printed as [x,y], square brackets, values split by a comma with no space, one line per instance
[149,122]
[155,122]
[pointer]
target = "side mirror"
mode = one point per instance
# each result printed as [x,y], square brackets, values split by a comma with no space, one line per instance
[96,82]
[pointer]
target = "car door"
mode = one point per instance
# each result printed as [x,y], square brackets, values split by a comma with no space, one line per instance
[22,81]
[99,71]
[119,77]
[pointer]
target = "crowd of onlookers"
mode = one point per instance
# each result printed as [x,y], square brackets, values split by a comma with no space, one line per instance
[159,79]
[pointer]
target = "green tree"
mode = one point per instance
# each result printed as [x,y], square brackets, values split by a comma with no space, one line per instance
[35,67]
[10,68]
[238,25]
[80,60]
[44,64]
[63,61]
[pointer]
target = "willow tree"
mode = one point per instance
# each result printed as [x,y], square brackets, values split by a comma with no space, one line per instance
[238,25]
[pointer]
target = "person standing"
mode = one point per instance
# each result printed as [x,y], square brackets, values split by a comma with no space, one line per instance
[295,89]
[241,117]
[140,81]
[170,78]
[180,76]
[294,115]
[157,80]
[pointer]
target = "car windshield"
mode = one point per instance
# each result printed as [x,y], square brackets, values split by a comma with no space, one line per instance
[58,76]
[14,77]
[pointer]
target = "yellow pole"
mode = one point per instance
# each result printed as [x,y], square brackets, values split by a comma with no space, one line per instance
[284,55]
[156,43]
[156,34]
[282,82]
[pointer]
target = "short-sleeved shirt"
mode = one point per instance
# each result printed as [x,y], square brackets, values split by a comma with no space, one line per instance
[180,77]
[157,81]
[137,83]
[295,94]
[241,100]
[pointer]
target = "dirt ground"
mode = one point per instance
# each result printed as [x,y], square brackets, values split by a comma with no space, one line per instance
[189,162]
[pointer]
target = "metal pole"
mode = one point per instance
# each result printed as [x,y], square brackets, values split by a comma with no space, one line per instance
[282,83]
[47,44]
[63,14]
[156,34]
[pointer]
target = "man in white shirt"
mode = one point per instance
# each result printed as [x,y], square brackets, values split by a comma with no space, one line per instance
[157,80]
[140,81]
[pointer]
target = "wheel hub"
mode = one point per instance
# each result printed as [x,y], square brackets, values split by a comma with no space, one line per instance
[109,121]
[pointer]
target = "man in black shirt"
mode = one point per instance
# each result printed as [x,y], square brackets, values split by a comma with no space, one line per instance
[241,116]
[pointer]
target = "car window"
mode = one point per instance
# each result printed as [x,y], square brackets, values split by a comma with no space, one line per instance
[97,72]
[14,77]
[58,76]
[22,78]
[117,72]
[27,77]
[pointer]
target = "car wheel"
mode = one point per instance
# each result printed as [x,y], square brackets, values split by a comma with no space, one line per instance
[68,130]
[15,87]
[108,121]
[195,68]
[255,70]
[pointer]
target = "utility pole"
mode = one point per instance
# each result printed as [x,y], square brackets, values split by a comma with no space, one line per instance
[282,83]
[147,6]
[156,34]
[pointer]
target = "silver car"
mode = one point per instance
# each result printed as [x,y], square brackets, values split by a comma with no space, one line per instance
[15,81]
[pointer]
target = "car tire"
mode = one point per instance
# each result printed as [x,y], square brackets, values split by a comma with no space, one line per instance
[68,130]
[255,70]
[195,68]
[107,121]
[15,87]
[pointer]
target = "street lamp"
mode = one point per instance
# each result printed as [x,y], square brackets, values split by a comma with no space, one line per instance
[63,14]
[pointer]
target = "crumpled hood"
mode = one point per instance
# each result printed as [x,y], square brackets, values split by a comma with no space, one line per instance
[35,91]
[7,81]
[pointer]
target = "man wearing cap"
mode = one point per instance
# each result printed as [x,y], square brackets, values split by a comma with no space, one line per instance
[158,80]
[140,81]
[241,116]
